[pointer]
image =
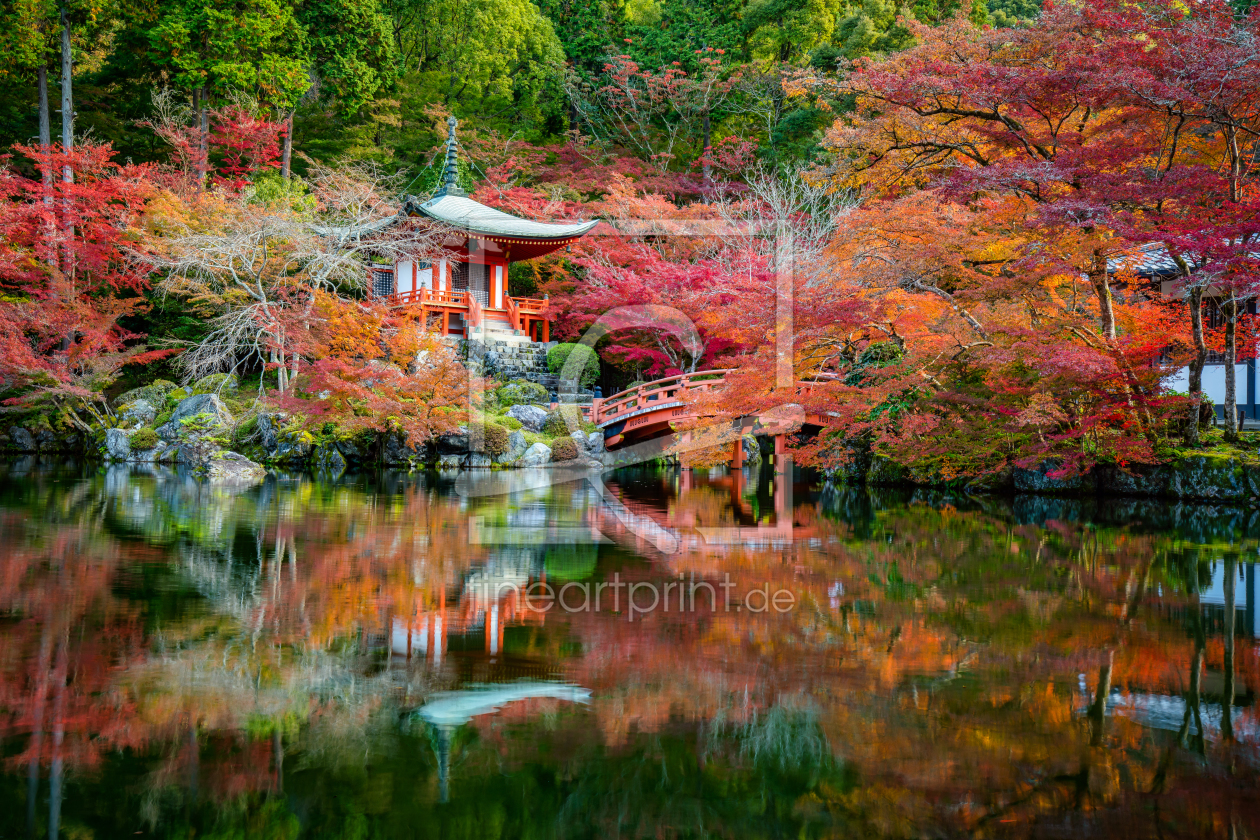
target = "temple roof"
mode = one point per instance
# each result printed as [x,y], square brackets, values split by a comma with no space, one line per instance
[463,213]
[450,205]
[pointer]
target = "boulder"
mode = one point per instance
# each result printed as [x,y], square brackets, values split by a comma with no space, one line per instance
[1211,477]
[478,459]
[284,446]
[154,393]
[232,468]
[1039,481]
[535,456]
[396,453]
[21,439]
[195,451]
[330,460]
[46,440]
[582,441]
[453,443]
[356,448]
[885,471]
[515,449]
[117,445]
[530,416]
[137,413]
[522,392]
[269,426]
[214,383]
[208,404]
[595,443]
[451,462]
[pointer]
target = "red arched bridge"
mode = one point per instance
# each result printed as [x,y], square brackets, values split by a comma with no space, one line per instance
[649,410]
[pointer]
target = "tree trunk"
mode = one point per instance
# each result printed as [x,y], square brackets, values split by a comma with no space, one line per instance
[1102,290]
[67,136]
[38,702]
[286,158]
[1227,693]
[708,149]
[45,143]
[1229,308]
[67,92]
[45,117]
[1196,364]
[1098,709]
[203,138]
[57,770]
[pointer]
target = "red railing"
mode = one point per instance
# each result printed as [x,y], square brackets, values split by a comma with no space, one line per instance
[660,391]
[463,301]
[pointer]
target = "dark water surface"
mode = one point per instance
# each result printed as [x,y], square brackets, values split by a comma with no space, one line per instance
[360,659]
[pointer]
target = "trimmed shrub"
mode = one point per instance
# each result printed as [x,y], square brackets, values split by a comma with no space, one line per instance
[144,439]
[511,423]
[558,357]
[556,426]
[496,440]
[522,392]
[564,449]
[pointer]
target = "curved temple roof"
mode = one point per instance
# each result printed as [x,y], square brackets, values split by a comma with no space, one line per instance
[474,217]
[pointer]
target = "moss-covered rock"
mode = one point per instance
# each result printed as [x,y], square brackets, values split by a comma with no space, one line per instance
[1040,480]
[144,439]
[522,392]
[885,471]
[154,393]
[216,382]
[1212,476]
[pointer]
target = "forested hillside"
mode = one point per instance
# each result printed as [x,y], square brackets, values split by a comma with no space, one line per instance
[367,77]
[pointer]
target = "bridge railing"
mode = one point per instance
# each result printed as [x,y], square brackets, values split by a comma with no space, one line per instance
[659,391]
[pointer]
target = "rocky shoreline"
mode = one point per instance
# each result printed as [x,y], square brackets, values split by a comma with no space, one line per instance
[1208,476]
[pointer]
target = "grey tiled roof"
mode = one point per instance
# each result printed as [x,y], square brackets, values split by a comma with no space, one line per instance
[462,212]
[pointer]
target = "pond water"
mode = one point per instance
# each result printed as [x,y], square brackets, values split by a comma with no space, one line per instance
[651,654]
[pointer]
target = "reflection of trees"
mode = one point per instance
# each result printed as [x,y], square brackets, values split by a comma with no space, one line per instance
[978,673]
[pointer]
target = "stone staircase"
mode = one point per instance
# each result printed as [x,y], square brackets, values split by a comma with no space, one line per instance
[506,355]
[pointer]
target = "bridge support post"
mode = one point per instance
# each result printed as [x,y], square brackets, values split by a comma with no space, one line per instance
[737,457]
[780,447]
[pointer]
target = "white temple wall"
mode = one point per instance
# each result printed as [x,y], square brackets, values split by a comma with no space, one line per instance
[402,276]
[1213,383]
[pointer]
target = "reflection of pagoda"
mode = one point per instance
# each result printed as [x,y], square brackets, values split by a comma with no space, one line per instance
[468,288]
[489,600]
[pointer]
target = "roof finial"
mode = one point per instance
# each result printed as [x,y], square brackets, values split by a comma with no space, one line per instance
[450,185]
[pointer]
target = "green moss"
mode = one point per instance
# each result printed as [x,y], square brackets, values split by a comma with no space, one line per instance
[145,439]
[496,438]
[511,423]
[564,449]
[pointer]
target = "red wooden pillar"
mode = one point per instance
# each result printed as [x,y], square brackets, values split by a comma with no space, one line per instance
[737,457]
[446,323]
[546,331]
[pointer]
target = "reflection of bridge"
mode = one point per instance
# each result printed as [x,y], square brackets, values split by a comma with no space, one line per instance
[649,411]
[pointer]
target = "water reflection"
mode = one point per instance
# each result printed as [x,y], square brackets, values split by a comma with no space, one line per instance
[362,659]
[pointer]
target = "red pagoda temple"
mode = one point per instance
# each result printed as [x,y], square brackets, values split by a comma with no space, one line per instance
[466,292]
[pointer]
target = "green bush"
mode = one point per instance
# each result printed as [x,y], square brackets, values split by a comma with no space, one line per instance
[511,423]
[558,357]
[564,449]
[144,439]
[522,392]
[496,440]
[561,421]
